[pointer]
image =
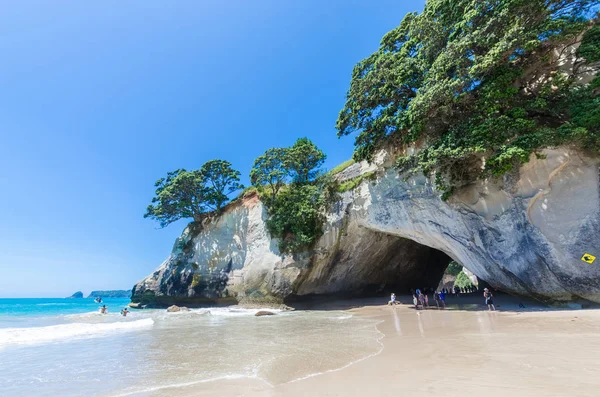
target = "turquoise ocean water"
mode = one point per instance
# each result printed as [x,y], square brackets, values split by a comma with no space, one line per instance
[37,307]
[66,347]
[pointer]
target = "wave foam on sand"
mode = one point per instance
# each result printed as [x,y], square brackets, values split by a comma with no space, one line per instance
[57,333]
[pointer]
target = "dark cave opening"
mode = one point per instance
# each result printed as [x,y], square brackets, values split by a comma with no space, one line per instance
[407,266]
[375,264]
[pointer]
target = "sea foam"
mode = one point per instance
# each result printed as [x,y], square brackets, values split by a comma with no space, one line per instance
[57,333]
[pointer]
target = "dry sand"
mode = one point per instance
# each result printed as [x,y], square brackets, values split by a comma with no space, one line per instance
[456,352]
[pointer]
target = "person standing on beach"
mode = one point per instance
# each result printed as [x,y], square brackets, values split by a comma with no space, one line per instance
[426,300]
[393,300]
[456,291]
[421,299]
[487,294]
[443,299]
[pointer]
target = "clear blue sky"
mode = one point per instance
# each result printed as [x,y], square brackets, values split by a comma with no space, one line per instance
[100,99]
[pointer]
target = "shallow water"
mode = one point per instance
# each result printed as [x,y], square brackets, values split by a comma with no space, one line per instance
[107,355]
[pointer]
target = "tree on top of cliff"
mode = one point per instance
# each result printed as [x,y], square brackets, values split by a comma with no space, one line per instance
[301,163]
[304,160]
[191,194]
[478,79]
[295,209]
[221,180]
[269,171]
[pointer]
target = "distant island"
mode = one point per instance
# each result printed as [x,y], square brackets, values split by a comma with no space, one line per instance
[77,295]
[120,293]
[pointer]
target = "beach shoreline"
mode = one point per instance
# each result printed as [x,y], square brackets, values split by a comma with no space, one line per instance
[531,351]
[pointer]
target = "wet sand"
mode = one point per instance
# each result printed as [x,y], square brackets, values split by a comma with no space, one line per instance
[520,352]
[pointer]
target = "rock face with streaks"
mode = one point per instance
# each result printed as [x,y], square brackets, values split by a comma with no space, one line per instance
[524,234]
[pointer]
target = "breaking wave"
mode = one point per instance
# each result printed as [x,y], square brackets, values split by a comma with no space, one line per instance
[57,333]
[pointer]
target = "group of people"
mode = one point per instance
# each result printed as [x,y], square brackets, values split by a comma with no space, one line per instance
[457,290]
[104,310]
[421,298]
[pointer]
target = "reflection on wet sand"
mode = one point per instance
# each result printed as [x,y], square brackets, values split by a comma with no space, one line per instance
[537,352]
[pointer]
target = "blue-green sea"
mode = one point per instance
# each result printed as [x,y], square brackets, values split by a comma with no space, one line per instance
[66,347]
[39,307]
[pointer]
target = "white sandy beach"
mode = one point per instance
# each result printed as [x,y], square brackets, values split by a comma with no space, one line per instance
[532,352]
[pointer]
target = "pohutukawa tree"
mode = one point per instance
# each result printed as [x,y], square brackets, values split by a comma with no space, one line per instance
[286,177]
[269,172]
[221,180]
[304,160]
[467,80]
[192,194]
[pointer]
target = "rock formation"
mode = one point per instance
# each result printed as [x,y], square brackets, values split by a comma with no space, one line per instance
[264,313]
[110,294]
[77,295]
[175,309]
[524,234]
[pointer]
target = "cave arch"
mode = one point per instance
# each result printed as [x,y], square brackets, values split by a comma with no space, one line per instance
[367,262]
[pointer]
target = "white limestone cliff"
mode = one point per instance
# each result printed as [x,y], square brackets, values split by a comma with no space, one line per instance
[525,234]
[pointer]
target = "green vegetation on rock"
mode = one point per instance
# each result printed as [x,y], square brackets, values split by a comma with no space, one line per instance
[192,194]
[294,193]
[269,172]
[337,169]
[303,161]
[454,268]
[463,281]
[478,86]
[352,183]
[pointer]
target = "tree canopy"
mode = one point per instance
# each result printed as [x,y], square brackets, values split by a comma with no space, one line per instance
[287,178]
[191,194]
[221,180]
[299,164]
[468,80]
[304,160]
[463,281]
[270,171]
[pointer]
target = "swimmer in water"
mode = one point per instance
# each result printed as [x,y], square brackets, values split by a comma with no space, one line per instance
[124,312]
[103,309]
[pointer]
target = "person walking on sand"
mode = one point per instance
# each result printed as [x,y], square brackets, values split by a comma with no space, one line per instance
[415,301]
[426,300]
[393,300]
[487,294]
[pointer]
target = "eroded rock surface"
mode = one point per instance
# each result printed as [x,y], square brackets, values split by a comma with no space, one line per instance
[524,235]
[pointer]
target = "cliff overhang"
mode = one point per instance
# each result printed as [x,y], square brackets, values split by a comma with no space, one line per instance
[524,234]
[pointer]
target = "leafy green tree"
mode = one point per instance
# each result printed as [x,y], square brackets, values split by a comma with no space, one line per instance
[295,209]
[297,217]
[454,268]
[180,195]
[191,194]
[269,170]
[221,180]
[477,79]
[303,161]
[463,281]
